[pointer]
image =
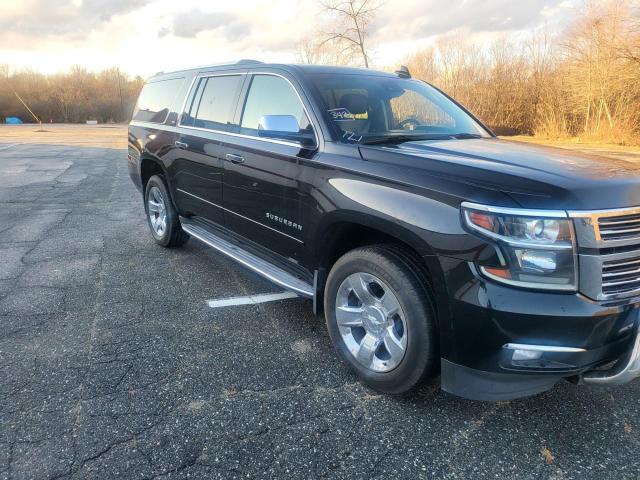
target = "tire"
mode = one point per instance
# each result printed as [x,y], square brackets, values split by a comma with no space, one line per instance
[402,333]
[162,217]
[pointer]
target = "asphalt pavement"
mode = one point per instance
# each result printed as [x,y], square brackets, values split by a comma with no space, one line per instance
[113,364]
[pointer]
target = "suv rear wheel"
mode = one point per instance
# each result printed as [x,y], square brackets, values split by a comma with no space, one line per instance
[380,318]
[162,217]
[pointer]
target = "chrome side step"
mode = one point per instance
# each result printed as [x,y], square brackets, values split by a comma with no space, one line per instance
[253,262]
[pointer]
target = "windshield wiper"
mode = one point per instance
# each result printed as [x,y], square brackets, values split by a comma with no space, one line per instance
[465,135]
[377,140]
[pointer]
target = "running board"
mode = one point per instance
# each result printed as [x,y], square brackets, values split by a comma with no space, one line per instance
[253,262]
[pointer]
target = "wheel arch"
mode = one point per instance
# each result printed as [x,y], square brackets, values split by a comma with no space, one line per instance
[150,166]
[345,230]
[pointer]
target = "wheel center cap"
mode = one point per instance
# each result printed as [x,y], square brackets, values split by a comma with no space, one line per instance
[374,319]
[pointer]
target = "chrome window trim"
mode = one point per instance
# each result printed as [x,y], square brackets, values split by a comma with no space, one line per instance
[239,215]
[184,102]
[180,129]
[518,212]
[193,82]
[306,112]
[253,137]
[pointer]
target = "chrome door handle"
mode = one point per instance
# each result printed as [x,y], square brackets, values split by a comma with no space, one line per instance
[182,145]
[233,158]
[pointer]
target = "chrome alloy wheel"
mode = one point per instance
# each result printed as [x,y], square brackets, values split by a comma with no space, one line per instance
[371,322]
[157,211]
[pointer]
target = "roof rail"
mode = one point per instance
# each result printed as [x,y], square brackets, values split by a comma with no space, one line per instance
[245,61]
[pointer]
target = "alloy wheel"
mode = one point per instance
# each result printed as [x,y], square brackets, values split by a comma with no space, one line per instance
[371,322]
[157,211]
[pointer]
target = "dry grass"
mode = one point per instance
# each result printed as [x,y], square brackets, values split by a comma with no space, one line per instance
[576,142]
[604,149]
[547,455]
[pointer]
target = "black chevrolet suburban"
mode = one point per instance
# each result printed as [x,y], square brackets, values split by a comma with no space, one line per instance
[430,245]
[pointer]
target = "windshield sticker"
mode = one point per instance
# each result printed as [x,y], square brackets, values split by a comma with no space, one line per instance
[351,137]
[342,114]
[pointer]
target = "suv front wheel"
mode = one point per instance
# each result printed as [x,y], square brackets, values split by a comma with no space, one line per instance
[380,318]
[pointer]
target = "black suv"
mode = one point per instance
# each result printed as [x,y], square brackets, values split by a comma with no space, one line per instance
[430,244]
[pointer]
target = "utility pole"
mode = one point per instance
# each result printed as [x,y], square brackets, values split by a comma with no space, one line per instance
[27,107]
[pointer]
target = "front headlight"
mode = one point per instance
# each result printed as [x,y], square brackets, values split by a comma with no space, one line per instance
[537,248]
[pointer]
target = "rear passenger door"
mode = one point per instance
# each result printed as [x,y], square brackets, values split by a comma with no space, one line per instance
[263,197]
[198,168]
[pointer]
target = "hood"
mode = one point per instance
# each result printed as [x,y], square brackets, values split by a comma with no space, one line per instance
[533,176]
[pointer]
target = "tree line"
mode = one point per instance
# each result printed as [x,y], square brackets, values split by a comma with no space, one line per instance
[72,97]
[582,82]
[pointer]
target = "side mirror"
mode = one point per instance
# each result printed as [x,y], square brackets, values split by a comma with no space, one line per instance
[285,127]
[277,125]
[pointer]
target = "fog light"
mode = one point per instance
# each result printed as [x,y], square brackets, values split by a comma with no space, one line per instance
[520,355]
[537,260]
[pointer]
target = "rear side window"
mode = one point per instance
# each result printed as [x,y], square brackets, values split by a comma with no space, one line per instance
[215,108]
[271,95]
[156,99]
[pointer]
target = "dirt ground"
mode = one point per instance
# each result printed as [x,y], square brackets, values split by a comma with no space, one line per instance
[114,136]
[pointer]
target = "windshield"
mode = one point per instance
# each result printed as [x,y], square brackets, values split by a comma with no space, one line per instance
[377,109]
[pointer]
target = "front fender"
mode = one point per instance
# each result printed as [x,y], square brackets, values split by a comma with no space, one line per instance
[430,226]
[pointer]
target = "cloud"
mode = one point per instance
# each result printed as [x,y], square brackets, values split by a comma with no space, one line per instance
[43,18]
[105,10]
[429,17]
[51,35]
[190,24]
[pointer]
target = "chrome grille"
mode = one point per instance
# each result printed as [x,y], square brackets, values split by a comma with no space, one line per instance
[621,227]
[609,256]
[621,277]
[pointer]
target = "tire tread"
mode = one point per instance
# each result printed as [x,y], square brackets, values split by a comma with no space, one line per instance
[413,286]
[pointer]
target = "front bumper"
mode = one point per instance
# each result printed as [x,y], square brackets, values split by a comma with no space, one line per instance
[476,384]
[502,343]
[623,371]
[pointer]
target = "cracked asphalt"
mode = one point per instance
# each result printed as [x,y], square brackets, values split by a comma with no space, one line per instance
[113,366]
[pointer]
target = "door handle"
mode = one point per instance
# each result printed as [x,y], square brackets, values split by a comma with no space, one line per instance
[182,145]
[233,158]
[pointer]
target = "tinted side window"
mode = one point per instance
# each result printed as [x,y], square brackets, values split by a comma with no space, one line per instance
[216,107]
[271,95]
[156,100]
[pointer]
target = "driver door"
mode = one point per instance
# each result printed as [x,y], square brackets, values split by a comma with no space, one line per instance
[263,198]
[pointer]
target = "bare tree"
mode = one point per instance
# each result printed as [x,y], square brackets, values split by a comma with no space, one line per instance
[630,48]
[314,50]
[76,96]
[350,22]
[582,82]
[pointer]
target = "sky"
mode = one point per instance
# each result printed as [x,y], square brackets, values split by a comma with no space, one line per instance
[146,36]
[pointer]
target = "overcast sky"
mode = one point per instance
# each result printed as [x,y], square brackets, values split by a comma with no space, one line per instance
[146,36]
